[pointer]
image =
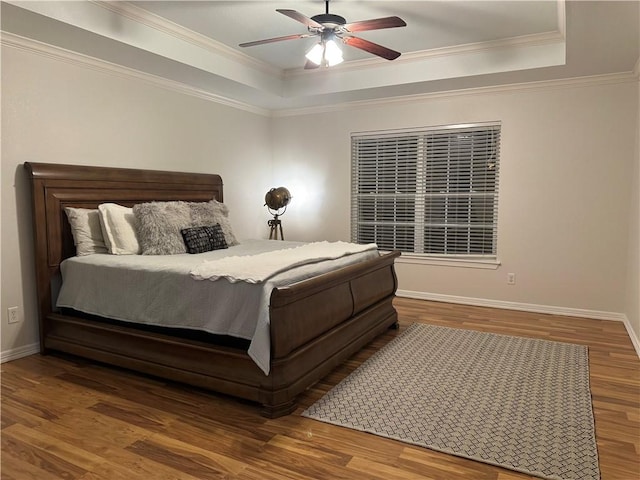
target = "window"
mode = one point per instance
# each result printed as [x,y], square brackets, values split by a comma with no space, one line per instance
[430,192]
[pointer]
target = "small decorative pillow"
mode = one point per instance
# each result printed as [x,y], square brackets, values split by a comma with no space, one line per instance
[118,229]
[86,230]
[210,213]
[159,225]
[204,239]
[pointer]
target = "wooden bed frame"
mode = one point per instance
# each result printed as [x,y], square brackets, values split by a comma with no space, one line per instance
[315,324]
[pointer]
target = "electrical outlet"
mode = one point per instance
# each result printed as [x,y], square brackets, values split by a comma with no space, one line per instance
[511,278]
[13,314]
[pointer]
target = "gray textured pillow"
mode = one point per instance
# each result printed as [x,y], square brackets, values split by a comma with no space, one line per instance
[210,213]
[159,225]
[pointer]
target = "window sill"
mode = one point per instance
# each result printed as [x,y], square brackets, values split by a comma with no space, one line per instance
[487,264]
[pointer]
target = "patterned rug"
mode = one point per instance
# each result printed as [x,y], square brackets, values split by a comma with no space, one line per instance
[519,403]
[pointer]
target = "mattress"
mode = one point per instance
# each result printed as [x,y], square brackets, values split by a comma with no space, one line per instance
[159,290]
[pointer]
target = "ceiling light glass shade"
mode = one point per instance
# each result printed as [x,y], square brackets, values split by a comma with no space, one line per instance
[332,53]
[315,54]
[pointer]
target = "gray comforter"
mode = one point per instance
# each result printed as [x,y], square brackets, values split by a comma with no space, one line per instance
[158,290]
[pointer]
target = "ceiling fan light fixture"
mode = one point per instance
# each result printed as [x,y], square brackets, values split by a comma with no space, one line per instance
[325,52]
[332,53]
[315,54]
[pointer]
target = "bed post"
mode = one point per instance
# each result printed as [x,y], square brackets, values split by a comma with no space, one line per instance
[43,269]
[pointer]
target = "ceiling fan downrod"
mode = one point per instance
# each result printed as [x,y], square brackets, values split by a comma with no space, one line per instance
[328,19]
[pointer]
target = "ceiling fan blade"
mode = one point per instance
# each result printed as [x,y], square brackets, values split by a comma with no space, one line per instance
[371,47]
[277,39]
[375,24]
[300,18]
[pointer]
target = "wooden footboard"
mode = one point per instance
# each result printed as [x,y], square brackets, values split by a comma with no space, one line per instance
[315,324]
[319,323]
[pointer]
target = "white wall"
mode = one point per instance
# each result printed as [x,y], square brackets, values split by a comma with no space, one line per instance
[54,111]
[565,194]
[568,181]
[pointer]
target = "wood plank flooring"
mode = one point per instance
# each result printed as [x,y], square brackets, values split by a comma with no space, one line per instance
[66,418]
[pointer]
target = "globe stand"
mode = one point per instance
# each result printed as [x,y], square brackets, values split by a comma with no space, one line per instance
[275,225]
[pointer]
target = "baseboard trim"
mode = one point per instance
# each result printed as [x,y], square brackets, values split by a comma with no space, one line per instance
[27,350]
[528,307]
[525,307]
[19,352]
[632,335]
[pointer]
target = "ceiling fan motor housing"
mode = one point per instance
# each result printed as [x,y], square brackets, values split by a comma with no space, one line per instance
[329,19]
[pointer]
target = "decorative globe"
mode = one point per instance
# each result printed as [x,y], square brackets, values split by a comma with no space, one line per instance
[277,198]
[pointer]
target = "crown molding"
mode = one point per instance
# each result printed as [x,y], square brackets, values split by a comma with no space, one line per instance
[168,27]
[16,41]
[572,82]
[78,59]
[537,39]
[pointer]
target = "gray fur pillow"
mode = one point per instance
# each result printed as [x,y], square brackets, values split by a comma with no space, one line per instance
[159,224]
[210,213]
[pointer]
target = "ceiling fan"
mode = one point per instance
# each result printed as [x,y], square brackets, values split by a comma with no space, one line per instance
[330,27]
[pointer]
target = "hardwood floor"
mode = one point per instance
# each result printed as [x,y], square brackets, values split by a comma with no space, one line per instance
[65,418]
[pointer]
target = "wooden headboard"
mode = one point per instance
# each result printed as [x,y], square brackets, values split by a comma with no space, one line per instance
[56,186]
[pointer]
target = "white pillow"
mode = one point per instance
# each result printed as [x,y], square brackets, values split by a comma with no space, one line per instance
[86,230]
[118,229]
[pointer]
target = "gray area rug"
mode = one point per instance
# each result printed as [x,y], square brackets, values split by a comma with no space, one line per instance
[519,403]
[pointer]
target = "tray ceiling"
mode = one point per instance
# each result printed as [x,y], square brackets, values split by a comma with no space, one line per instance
[446,45]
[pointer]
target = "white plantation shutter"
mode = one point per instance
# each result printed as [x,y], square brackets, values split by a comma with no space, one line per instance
[431,191]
